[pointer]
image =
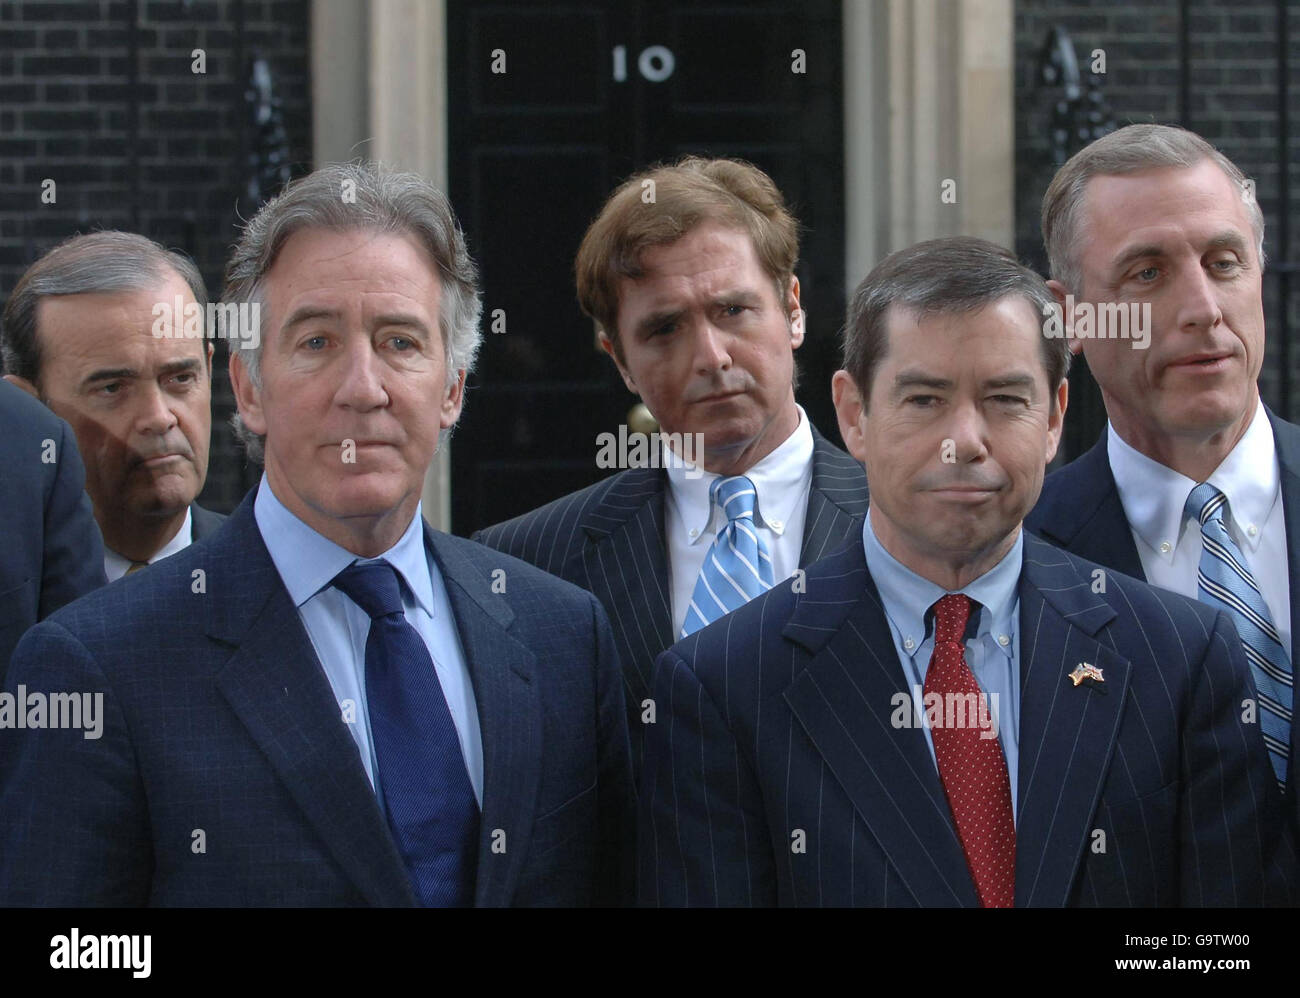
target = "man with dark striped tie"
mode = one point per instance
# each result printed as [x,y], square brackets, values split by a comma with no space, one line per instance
[952,712]
[1195,484]
[328,702]
[696,301]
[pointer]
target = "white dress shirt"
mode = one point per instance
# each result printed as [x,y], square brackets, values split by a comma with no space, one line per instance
[781,480]
[115,565]
[1169,544]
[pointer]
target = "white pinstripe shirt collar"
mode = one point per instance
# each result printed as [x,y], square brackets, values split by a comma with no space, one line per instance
[781,481]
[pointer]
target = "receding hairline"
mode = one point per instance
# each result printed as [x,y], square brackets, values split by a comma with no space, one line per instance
[1082,217]
[409,236]
[165,274]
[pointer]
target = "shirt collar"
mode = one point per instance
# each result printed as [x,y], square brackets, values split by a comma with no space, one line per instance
[179,542]
[907,597]
[1154,496]
[779,484]
[308,561]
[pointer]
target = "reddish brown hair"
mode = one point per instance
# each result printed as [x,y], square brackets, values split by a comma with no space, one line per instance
[686,194]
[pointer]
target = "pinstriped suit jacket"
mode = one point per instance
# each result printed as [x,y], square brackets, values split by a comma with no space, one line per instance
[774,733]
[609,539]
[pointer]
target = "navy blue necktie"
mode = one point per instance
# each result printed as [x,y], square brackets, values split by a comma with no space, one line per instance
[431,807]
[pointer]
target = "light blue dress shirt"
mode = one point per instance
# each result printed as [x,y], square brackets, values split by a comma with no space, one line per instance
[338,628]
[992,655]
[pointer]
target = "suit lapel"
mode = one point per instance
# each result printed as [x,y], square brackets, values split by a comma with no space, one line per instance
[274,683]
[509,710]
[836,499]
[1286,440]
[628,569]
[1067,732]
[1084,514]
[844,699]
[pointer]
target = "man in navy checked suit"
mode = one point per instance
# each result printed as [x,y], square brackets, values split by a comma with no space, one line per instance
[799,757]
[277,697]
[696,301]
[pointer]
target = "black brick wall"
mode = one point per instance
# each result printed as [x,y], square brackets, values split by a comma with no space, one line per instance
[64,114]
[1233,102]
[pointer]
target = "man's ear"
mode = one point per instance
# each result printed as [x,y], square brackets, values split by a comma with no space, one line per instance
[24,384]
[1058,292]
[1056,419]
[248,397]
[455,399]
[851,412]
[795,310]
[607,345]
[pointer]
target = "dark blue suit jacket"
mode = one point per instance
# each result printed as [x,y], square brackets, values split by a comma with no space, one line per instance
[204,521]
[1080,510]
[50,548]
[220,719]
[1145,789]
[609,539]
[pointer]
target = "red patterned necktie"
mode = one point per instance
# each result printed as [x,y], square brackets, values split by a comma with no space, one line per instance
[972,769]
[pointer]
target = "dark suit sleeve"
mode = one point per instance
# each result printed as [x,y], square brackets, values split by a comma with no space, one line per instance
[616,870]
[74,552]
[703,838]
[1231,809]
[73,821]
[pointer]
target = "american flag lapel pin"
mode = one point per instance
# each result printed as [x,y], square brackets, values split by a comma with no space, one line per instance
[1086,670]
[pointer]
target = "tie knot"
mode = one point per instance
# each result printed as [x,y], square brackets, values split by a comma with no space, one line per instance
[951,615]
[374,587]
[735,497]
[1206,503]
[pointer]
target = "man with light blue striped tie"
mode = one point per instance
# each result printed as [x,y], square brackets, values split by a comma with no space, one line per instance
[1194,485]
[738,567]
[1224,581]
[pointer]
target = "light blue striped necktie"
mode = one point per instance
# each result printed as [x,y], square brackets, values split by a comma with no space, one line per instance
[1225,582]
[738,567]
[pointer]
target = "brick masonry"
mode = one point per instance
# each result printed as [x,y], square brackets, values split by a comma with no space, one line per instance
[1233,60]
[64,100]
[64,115]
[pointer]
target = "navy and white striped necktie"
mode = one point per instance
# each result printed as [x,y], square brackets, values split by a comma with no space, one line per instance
[1225,582]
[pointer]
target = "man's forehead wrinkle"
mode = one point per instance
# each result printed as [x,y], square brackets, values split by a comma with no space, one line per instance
[336,302]
[1167,241]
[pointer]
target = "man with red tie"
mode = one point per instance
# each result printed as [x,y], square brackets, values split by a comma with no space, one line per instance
[951,712]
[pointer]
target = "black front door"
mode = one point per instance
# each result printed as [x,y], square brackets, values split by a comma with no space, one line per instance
[550,108]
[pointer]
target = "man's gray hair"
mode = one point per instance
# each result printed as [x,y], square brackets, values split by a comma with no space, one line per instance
[350,197]
[97,263]
[1127,150]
